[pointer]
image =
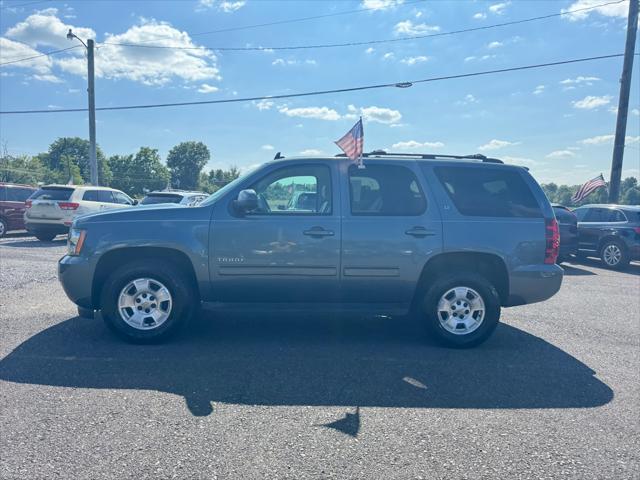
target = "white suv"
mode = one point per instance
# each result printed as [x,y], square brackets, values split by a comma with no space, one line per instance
[51,210]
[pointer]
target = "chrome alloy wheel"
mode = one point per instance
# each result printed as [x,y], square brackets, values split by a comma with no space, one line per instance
[612,254]
[145,303]
[461,310]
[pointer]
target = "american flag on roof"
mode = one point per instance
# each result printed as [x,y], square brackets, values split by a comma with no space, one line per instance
[588,188]
[353,142]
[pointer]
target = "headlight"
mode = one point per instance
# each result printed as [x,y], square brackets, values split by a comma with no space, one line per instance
[76,240]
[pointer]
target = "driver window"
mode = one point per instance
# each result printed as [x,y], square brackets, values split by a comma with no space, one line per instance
[299,190]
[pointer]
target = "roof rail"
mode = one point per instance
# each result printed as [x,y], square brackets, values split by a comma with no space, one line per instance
[427,156]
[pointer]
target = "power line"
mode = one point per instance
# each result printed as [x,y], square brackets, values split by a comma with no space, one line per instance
[24,4]
[369,42]
[404,84]
[45,54]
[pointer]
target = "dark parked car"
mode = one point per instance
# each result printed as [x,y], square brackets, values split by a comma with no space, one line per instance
[568,223]
[174,196]
[451,239]
[12,206]
[611,232]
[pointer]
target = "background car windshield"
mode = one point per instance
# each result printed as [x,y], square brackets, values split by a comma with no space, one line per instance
[53,193]
[154,199]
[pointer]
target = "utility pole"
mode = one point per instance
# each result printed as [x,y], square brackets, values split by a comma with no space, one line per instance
[93,161]
[623,103]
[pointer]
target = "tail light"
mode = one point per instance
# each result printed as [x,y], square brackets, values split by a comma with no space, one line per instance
[28,203]
[552,237]
[68,205]
[637,230]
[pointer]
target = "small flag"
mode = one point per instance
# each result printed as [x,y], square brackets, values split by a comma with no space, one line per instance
[353,142]
[588,188]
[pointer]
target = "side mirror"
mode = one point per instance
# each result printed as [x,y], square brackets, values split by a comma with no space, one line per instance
[135,202]
[247,201]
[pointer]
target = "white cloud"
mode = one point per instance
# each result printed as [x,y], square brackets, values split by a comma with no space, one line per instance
[380,4]
[264,104]
[388,56]
[206,88]
[283,62]
[497,144]
[413,145]
[149,66]
[523,162]
[539,89]
[44,28]
[495,44]
[267,147]
[414,60]
[47,77]
[561,154]
[320,113]
[580,80]
[223,6]
[590,102]
[468,98]
[617,10]
[370,50]
[635,112]
[480,59]
[10,50]
[407,27]
[608,140]
[311,151]
[499,8]
[480,16]
[381,115]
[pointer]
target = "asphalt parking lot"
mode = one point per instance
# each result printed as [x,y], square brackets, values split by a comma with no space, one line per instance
[555,393]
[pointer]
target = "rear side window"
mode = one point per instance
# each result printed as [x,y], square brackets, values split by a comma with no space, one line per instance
[596,215]
[616,216]
[488,192]
[90,196]
[154,199]
[564,216]
[53,193]
[385,190]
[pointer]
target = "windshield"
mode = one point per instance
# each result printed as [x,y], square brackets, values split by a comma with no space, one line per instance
[228,187]
[161,198]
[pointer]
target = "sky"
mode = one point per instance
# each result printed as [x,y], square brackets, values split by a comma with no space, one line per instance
[557,121]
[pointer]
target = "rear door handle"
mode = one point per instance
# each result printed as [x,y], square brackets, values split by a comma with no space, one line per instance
[318,232]
[420,232]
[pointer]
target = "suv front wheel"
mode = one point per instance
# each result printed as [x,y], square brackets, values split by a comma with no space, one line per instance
[147,301]
[461,310]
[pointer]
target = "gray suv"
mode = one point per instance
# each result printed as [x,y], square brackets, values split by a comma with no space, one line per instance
[450,239]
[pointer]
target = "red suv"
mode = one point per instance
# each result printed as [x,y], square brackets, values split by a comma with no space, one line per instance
[12,206]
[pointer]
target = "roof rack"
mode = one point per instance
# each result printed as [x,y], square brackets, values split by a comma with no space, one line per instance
[428,156]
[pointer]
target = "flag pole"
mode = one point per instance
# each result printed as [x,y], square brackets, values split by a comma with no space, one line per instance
[360,158]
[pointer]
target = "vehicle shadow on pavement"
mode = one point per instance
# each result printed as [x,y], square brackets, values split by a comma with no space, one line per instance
[632,269]
[354,362]
[35,243]
[572,270]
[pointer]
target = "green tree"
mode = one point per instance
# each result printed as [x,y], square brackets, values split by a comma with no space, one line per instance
[135,173]
[68,151]
[30,170]
[631,196]
[186,161]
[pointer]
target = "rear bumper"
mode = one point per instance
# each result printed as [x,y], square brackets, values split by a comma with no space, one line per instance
[57,228]
[76,276]
[533,283]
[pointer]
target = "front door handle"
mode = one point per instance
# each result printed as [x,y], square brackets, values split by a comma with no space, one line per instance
[318,232]
[420,232]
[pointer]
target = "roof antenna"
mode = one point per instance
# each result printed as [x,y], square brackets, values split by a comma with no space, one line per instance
[278,156]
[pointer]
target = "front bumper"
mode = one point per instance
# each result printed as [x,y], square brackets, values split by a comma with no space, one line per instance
[76,276]
[533,283]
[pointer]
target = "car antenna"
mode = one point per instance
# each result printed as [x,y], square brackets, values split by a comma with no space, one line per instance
[278,156]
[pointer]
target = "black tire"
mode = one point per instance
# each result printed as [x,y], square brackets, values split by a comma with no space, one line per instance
[4,227]
[624,258]
[45,237]
[484,288]
[85,312]
[172,277]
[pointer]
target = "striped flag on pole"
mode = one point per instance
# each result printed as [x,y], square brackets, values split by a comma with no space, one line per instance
[353,142]
[588,188]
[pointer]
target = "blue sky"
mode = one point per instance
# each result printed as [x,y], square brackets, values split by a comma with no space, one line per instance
[558,121]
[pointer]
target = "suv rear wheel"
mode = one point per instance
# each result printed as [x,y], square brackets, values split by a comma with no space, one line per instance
[147,301]
[3,227]
[614,255]
[461,310]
